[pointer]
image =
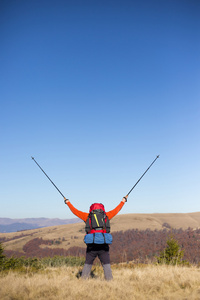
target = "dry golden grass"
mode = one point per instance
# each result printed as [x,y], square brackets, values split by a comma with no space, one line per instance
[120,222]
[149,282]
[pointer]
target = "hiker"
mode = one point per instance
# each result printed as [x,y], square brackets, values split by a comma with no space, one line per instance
[101,248]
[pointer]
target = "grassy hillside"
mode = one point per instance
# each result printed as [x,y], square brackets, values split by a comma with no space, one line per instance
[155,221]
[67,236]
[136,282]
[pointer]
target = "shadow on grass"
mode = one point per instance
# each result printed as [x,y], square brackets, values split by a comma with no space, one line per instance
[92,274]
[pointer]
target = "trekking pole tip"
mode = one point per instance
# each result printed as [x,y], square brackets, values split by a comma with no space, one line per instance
[32,157]
[158,156]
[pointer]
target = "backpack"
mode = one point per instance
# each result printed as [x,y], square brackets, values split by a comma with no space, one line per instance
[97,220]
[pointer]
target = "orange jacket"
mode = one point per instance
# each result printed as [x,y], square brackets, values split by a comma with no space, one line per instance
[83,215]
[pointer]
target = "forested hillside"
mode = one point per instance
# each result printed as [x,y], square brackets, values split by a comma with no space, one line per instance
[137,245]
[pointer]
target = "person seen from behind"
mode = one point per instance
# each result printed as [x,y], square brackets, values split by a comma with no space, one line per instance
[98,235]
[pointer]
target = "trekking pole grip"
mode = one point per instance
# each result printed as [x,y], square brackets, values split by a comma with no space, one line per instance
[125,198]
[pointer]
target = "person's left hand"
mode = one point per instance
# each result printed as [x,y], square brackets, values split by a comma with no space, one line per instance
[125,199]
[66,200]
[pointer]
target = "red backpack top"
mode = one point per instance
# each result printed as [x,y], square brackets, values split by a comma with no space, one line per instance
[97,220]
[95,206]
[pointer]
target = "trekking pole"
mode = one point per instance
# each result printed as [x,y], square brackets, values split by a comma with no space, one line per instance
[48,177]
[142,175]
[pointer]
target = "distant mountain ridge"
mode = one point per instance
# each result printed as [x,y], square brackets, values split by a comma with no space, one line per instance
[13,225]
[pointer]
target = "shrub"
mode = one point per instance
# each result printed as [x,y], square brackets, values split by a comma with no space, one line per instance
[2,256]
[172,254]
[59,261]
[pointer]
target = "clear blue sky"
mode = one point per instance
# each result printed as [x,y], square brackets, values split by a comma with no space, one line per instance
[95,90]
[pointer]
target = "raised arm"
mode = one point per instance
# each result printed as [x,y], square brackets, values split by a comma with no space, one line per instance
[80,214]
[115,211]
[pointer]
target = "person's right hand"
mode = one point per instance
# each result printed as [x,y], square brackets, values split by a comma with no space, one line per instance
[125,199]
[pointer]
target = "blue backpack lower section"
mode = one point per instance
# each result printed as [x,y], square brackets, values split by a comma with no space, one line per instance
[98,238]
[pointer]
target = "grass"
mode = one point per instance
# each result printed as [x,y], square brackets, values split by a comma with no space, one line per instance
[130,282]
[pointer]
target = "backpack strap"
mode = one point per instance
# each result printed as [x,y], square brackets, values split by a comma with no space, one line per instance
[88,225]
[107,224]
[104,238]
[93,237]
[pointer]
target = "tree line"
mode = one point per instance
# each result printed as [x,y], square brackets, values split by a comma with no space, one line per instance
[131,245]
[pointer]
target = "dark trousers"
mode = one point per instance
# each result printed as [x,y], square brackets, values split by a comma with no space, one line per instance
[102,251]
